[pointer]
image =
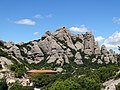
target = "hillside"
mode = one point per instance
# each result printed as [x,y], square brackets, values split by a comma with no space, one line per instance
[61,50]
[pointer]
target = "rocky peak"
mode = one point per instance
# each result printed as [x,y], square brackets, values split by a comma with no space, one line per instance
[21,43]
[63,31]
[63,47]
[9,44]
[47,33]
[103,49]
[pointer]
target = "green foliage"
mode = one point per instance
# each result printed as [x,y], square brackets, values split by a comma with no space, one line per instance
[83,78]
[68,84]
[2,45]
[18,86]
[19,70]
[106,73]
[2,53]
[3,84]
[46,80]
[90,83]
[41,80]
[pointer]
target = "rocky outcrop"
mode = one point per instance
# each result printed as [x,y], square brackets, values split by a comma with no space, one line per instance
[78,58]
[79,46]
[9,44]
[111,84]
[61,51]
[62,47]
[16,51]
[4,63]
[103,50]
[89,43]
[96,48]
[36,54]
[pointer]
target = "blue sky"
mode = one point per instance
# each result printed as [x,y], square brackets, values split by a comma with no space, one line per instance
[25,20]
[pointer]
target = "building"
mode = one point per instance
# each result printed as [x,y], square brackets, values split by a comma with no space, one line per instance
[42,71]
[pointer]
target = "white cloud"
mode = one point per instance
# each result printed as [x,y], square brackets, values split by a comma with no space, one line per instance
[116,20]
[25,22]
[99,38]
[49,16]
[36,33]
[81,29]
[38,16]
[113,41]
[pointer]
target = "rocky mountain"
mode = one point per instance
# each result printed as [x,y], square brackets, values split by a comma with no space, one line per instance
[77,55]
[58,48]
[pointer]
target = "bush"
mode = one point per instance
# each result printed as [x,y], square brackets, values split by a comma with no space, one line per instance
[18,86]
[3,84]
[41,80]
[19,70]
[68,84]
[90,83]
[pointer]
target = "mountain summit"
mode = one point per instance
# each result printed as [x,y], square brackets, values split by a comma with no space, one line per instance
[61,47]
[69,54]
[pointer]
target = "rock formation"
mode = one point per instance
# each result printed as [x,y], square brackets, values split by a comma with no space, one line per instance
[62,47]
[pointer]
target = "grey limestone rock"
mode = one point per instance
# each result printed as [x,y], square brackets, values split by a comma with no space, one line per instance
[96,48]
[99,61]
[106,59]
[78,58]
[103,49]
[60,47]
[94,59]
[88,51]
[89,41]
[59,69]
[47,33]
[16,51]
[9,44]
[21,43]
[5,62]
[79,45]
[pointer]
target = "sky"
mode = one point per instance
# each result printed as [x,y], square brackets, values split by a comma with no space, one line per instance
[26,20]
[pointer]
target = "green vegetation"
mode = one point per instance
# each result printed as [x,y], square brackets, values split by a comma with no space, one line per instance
[19,70]
[68,84]
[18,86]
[91,82]
[87,76]
[3,84]
[82,79]
[2,45]
[4,54]
[42,80]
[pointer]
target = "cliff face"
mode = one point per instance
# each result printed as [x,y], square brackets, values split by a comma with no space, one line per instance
[61,47]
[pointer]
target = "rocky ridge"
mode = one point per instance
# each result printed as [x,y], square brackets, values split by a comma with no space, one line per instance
[61,47]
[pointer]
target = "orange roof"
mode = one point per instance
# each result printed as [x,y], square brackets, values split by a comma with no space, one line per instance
[42,71]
